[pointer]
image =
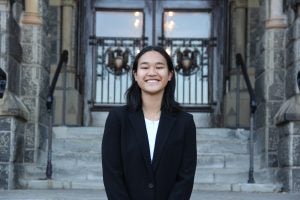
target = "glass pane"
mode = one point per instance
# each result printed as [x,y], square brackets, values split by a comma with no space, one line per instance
[119,24]
[187,24]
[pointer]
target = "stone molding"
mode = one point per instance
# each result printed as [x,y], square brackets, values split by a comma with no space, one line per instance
[11,105]
[32,18]
[68,3]
[276,18]
[289,111]
[241,3]
[276,22]
[31,15]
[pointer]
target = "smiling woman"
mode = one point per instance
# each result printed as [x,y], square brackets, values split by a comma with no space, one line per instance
[152,74]
[152,131]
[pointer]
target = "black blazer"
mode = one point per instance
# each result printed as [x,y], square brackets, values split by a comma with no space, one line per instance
[127,169]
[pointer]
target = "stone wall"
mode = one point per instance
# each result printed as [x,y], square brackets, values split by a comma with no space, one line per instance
[288,117]
[11,151]
[270,63]
[13,112]
[25,59]
[35,82]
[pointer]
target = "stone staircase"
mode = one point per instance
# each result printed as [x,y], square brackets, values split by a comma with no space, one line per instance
[223,162]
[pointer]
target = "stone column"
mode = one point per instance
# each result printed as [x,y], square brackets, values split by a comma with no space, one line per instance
[13,112]
[240,26]
[288,117]
[276,17]
[270,83]
[238,44]
[288,123]
[31,14]
[67,98]
[67,26]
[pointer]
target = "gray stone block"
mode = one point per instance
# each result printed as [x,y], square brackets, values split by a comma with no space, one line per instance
[296,180]
[273,139]
[5,123]
[29,156]
[30,135]
[276,89]
[290,83]
[4,176]
[283,152]
[273,159]
[296,153]
[5,146]
[211,161]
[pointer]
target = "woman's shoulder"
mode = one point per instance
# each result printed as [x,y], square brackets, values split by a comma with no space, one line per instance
[119,110]
[183,114]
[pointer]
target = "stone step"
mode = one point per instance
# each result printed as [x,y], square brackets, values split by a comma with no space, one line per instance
[237,187]
[98,184]
[222,134]
[231,176]
[225,160]
[62,184]
[65,132]
[223,146]
[77,145]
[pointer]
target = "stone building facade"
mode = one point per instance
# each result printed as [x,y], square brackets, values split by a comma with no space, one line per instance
[33,34]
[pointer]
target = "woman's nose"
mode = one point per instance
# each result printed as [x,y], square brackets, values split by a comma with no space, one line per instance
[152,70]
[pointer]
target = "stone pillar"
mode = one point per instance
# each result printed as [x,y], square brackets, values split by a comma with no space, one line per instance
[270,81]
[67,97]
[288,117]
[67,27]
[238,44]
[34,79]
[31,14]
[276,17]
[13,116]
[288,123]
[13,112]
[241,26]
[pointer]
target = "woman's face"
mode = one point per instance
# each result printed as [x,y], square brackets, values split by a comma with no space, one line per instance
[152,74]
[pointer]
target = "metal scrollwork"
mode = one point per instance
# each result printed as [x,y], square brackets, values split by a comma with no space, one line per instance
[117,61]
[187,61]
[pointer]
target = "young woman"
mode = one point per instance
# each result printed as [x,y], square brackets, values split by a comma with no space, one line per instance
[149,145]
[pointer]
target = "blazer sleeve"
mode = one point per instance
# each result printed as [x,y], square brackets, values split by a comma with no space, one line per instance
[111,159]
[185,178]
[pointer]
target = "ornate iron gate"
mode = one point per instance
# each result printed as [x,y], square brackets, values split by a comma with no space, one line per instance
[114,58]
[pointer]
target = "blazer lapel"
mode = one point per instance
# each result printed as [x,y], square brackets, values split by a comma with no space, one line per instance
[166,123]
[138,123]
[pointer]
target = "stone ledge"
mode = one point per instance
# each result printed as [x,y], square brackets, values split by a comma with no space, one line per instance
[289,111]
[61,184]
[11,105]
[246,187]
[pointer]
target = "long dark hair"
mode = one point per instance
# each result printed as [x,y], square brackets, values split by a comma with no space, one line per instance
[133,94]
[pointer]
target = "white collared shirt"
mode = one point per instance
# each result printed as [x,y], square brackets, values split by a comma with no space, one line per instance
[151,127]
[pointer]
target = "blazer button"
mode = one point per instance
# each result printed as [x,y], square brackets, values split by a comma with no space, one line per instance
[150,185]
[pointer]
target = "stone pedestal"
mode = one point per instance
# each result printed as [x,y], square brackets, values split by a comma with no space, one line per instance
[66,112]
[13,115]
[230,108]
[67,109]
[288,121]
